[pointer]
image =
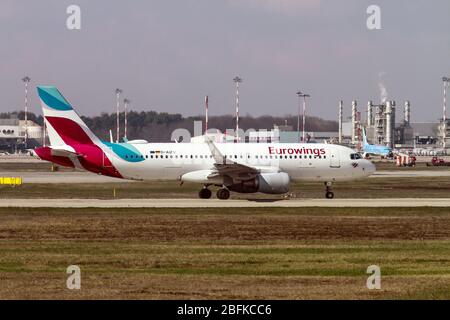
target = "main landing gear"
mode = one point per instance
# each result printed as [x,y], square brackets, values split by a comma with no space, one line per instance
[205,193]
[223,194]
[328,190]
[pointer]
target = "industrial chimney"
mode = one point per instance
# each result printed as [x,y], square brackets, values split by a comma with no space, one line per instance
[369,114]
[407,114]
[390,123]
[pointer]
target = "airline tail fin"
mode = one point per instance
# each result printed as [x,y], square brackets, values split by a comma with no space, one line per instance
[64,125]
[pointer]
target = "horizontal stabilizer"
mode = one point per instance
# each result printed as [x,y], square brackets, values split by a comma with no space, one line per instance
[64,151]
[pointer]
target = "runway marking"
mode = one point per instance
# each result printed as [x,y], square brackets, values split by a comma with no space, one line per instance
[214,203]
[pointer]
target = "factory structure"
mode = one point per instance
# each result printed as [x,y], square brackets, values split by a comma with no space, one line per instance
[380,125]
[383,128]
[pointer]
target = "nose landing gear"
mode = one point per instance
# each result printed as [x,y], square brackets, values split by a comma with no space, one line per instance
[329,194]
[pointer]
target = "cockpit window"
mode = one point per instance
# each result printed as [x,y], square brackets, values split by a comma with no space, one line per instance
[355,156]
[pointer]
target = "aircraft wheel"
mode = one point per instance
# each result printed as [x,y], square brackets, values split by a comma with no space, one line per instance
[223,194]
[205,193]
[329,195]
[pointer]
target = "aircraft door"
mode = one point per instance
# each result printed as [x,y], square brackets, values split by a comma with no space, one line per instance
[335,161]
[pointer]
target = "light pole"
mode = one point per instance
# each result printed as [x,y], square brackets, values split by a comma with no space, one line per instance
[118,92]
[446,82]
[26,80]
[304,96]
[237,80]
[299,93]
[126,102]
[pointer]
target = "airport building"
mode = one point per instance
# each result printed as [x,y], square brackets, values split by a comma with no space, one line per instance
[12,135]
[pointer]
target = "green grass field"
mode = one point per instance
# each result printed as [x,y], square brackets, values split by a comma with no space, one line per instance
[248,253]
[424,187]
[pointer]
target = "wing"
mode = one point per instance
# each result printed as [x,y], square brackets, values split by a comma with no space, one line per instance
[227,167]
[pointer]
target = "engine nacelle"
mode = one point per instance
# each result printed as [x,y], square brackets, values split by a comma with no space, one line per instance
[271,183]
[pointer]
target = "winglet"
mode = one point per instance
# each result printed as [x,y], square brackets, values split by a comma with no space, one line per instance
[217,155]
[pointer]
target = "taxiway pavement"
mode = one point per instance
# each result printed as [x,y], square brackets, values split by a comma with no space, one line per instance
[215,203]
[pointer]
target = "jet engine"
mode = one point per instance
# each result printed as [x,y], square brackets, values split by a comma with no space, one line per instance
[271,183]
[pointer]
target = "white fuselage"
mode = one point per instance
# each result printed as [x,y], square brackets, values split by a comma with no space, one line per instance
[315,162]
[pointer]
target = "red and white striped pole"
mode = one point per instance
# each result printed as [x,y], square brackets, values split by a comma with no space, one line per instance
[125,104]
[26,80]
[118,92]
[446,81]
[237,80]
[43,133]
[304,96]
[206,114]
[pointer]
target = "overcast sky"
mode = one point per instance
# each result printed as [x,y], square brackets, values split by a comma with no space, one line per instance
[166,55]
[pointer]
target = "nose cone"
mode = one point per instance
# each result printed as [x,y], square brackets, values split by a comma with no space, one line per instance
[368,168]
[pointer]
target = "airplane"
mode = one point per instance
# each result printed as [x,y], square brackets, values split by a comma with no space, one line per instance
[239,167]
[374,149]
